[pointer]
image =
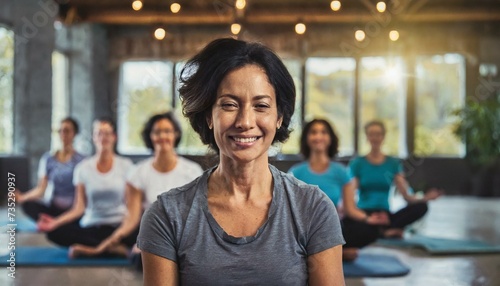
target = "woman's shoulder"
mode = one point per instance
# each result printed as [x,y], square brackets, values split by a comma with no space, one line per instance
[144,162]
[183,197]
[292,185]
[299,166]
[337,167]
[301,197]
[392,160]
[188,164]
[78,157]
[358,160]
[124,161]
[86,164]
[87,160]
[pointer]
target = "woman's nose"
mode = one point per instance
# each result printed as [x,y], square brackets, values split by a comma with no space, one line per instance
[245,119]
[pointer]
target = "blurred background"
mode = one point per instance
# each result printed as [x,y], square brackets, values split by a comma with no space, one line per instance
[428,69]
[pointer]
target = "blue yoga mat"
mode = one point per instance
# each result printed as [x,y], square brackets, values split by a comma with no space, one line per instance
[375,265]
[435,245]
[55,256]
[366,265]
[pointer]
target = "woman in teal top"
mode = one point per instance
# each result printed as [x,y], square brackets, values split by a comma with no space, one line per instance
[373,176]
[319,145]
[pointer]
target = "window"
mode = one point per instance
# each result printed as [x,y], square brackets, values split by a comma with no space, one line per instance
[382,88]
[330,93]
[6,89]
[59,95]
[439,88]
[145,90]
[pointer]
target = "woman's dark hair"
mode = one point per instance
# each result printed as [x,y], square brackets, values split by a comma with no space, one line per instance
[107,120]
[333,149]
[148,127]
[375,123]
[201,76]
[73,122]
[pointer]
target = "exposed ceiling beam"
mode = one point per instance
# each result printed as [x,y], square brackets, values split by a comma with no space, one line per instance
[285,17]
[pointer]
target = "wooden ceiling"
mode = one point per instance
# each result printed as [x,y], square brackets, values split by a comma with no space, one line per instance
[217,12]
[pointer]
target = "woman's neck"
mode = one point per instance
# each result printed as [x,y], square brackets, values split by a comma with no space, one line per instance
[67,149]
[319,161]
[375,156]
[244,180]
[164,161]
[105,160]
[104,156]
[65,153]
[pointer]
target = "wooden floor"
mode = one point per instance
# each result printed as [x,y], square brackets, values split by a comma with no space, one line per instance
[448,217]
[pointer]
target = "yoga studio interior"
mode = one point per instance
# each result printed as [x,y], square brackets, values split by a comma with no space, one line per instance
[426,72]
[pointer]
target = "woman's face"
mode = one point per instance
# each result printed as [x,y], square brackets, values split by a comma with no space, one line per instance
[375,135]
[245,115]
[318,138]
[163,135]
[66,133]
[104,136]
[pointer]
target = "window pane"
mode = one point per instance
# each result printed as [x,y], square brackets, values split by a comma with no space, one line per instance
[330,93]
[59,95]
[190,142]
[292,145]
[145,90]
[6,89]
[382,96]
[439,88]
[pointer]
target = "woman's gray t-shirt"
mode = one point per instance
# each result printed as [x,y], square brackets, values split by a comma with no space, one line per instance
[302,221]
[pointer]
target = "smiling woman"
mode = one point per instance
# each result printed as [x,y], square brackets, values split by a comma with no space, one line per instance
[246,221]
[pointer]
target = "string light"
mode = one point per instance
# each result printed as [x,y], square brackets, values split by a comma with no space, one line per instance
[381,7]
[335,5]
[359,35]
[160,34]
[300,28]
[137,5]
[175,7]
[235,28]
[240,4]
[394,35]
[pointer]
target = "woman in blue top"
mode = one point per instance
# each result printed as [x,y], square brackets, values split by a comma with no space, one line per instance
[373,176]
[319,145]
[55,173]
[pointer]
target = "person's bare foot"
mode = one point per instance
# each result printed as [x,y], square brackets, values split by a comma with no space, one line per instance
[350,254]
[394,233]
[120,250]
[79,250]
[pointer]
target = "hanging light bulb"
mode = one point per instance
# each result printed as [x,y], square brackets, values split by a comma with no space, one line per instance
[235,28]
[300,28]
[394,35]
[359,35]
[240,4]
[335,5]
[160,34]
[381,7]
[175,7]
[137,5]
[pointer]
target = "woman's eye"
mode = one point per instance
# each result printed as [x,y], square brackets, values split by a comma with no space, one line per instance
[228,105]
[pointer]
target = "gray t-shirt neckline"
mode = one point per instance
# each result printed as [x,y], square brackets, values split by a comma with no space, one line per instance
[215,225]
